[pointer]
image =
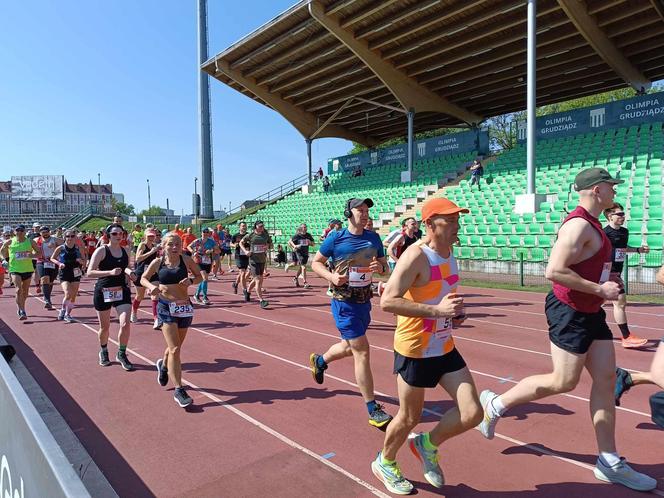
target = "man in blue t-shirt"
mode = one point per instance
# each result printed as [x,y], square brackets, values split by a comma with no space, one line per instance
[356,254]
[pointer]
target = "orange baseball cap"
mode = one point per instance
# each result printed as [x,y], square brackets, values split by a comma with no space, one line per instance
[440,205]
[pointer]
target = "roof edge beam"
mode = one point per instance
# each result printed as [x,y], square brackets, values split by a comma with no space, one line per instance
[577,11]
[304,122]
[407,91]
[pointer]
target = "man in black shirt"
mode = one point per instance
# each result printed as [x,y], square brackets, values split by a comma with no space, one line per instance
[241,259]
[618,236]
[300,243]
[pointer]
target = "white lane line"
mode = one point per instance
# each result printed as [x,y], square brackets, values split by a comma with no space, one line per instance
[254,421]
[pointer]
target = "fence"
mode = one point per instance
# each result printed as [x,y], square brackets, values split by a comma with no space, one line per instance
[639,271]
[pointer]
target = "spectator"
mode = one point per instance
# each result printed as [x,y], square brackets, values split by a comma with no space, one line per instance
[281,256]
[319,175]
[476,172]
[326,184]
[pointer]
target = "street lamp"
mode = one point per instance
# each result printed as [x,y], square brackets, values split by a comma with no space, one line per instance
[149,202]
[100,198]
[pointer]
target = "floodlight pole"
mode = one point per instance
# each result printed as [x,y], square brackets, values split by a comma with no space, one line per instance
[207,210]
[411,116]
[308,141]
[530,96]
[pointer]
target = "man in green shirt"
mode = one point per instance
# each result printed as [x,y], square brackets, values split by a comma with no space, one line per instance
[19,251]
[257,244]
[137,237]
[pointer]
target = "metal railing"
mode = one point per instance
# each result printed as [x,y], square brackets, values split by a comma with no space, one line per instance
[275,193]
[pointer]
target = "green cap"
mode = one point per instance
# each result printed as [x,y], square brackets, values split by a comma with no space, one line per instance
[592,176]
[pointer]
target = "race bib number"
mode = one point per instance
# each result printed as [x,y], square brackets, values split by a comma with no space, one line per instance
[606,273]
[77,273]
[206,260]
[181,309]
[359,276]
[23,255]
[112,294]
[620,255]
[304,243]
[259,248]
[49,265]
[444,328]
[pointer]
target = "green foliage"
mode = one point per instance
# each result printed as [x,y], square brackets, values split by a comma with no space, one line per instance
[122,208]
[152,211]
[95,223]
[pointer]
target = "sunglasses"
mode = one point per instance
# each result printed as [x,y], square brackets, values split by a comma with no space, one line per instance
[618,214]
[19,230]
[117,234]
[69,236]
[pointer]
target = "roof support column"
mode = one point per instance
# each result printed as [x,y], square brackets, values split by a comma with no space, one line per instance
[530,96]
[411,116]
[308,141]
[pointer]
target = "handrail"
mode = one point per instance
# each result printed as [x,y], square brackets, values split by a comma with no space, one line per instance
[275,193]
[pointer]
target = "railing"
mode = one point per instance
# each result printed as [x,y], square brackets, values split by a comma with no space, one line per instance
[275,193]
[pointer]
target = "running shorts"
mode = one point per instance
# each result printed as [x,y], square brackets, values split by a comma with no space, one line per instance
[67,275]
[98,298]
[302,259]
[242,262]
[205,267]
[164,314]
[352,319]
[51,273]
[257,269]
[427,372]
[27,275]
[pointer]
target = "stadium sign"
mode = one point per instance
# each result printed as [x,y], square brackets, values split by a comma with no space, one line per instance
[622,113]
[38,188]
[443,145]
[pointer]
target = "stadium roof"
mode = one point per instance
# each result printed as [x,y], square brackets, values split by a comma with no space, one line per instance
[456,62]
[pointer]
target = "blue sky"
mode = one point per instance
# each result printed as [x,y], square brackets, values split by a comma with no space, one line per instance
[110,87]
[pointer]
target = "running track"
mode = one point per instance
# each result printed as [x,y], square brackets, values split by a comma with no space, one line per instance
[261,425]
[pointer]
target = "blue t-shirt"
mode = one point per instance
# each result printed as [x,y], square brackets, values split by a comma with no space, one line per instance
[201,247]
[352,252]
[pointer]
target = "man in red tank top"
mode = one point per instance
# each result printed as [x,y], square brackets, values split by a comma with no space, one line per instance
[579,267]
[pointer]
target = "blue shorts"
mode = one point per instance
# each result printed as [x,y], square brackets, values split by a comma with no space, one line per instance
[164,314]
[352,319]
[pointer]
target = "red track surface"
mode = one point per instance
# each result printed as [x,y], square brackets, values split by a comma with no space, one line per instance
[260,424]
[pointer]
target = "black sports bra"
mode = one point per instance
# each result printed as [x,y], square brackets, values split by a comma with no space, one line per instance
[169,276]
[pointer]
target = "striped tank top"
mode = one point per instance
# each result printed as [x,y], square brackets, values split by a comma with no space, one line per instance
[428,337]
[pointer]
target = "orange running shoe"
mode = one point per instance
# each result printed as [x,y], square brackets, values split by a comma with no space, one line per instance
[634,342]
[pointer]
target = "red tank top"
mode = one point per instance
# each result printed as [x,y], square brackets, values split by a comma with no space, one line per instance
[590,269]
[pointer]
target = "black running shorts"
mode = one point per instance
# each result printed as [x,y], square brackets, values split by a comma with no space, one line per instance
[427,372]
[100,305]
[242,262]
[572,330]
[302,259]
[257,269]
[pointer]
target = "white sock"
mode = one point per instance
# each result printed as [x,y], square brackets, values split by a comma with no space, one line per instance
[497,406]
[609,458]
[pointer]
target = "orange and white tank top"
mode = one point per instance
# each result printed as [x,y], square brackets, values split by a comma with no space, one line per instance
[428,337]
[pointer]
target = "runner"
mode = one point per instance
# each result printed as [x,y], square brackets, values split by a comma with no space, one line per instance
[579,267]
[110,265]
[256,246]
[69,260]
[46,269]
[422,292]
[618,235]
[203,250]
[241,259]
[146,252]
[300,243]
[136,236]
[187,239]
[400,242]
[90,243]
[18,251]
[214,233]
[356,255]
[6,235]
[175,310]
[33,234]
[225,248]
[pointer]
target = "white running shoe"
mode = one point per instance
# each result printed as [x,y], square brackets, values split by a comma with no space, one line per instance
[621,473]
[133,318]
[488,425]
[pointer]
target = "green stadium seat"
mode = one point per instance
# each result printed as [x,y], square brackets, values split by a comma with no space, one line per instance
[655,241]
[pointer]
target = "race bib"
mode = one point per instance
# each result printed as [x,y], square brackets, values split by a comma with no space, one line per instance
[181,309]
[23,255]
[259,248]
[620,255]
[49,265]
[304,243]
[359,276]
[606,273]
[112,294]
[206,260]
[444,328]
[77,273]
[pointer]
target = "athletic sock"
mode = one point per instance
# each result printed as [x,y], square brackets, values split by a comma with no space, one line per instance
[205,287]
[371,406]
[154,309]
[609,459]
[104,347]
[123,348]
[320,362]
[69,307]
[134,305]
[624,330]
[497,406]
[64,304]
[46,289]
[385,461]
[426,442]
[199,289]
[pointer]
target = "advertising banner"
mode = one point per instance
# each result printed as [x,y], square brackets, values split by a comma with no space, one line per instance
[38,188]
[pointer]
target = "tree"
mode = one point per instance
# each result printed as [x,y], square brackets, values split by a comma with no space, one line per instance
[122,208]
[152,211]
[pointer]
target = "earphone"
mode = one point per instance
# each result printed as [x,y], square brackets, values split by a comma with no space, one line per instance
[347,212]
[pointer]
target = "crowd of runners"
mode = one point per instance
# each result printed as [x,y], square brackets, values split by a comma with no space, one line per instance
[420,289]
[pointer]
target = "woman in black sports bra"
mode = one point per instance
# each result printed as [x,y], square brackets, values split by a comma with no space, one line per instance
[146,252]
[110,265]
[69,260]
[174,308]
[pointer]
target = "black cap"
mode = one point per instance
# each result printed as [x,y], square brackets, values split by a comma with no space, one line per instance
[592,176]
[20,227]
[355,202]
[44,228]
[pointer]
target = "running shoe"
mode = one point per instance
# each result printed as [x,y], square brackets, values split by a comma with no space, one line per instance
[247,296]
[317,371]
[182,398]
[633,342]
[162,372]
[48,305]
[196,299]
[68,319]
[124,361]
[61,314]
[103,358]
[379,418]
[157,324]
[429,459]
[307,286]
[623,384]
[133,318]
[621,473]
[264,303]
[234,284]
[488,425]
[329,293]
[296,282]
[22,315]
[391,476]
[231,270]
[206,301]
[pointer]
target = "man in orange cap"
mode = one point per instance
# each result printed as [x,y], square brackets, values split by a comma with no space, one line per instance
[422,293]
